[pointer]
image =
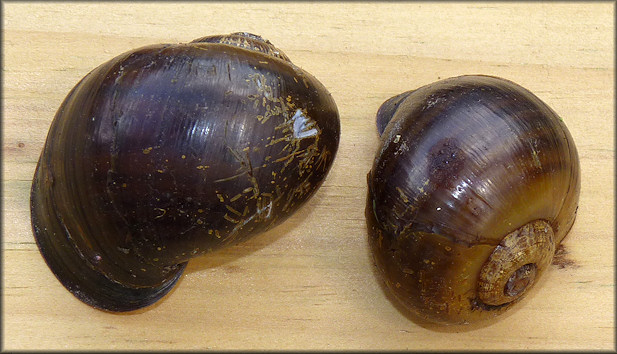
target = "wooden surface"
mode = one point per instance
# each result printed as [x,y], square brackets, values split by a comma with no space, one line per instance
[309,283]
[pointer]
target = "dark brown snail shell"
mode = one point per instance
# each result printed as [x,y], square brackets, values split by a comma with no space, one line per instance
[475,183]
[171,151]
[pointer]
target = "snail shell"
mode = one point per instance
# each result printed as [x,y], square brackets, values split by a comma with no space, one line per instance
[171,151]
[474,185]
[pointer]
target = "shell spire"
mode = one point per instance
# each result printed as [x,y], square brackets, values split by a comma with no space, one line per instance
[245,40]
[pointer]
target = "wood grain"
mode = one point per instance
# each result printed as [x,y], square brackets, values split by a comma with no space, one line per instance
[310,283]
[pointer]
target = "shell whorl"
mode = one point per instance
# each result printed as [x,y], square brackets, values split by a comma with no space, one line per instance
[464,158]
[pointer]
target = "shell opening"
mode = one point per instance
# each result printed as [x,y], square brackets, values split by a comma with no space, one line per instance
[515,263]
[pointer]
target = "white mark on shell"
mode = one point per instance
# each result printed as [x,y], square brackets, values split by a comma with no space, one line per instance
[303,127]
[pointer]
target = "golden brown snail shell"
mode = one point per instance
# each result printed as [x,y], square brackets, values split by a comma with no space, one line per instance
[475,183]
[170,151]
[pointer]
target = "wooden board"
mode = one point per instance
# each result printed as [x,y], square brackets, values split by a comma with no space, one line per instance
[310,283]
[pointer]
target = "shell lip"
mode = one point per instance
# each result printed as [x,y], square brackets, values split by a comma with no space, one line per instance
[77,275]
[386,111]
